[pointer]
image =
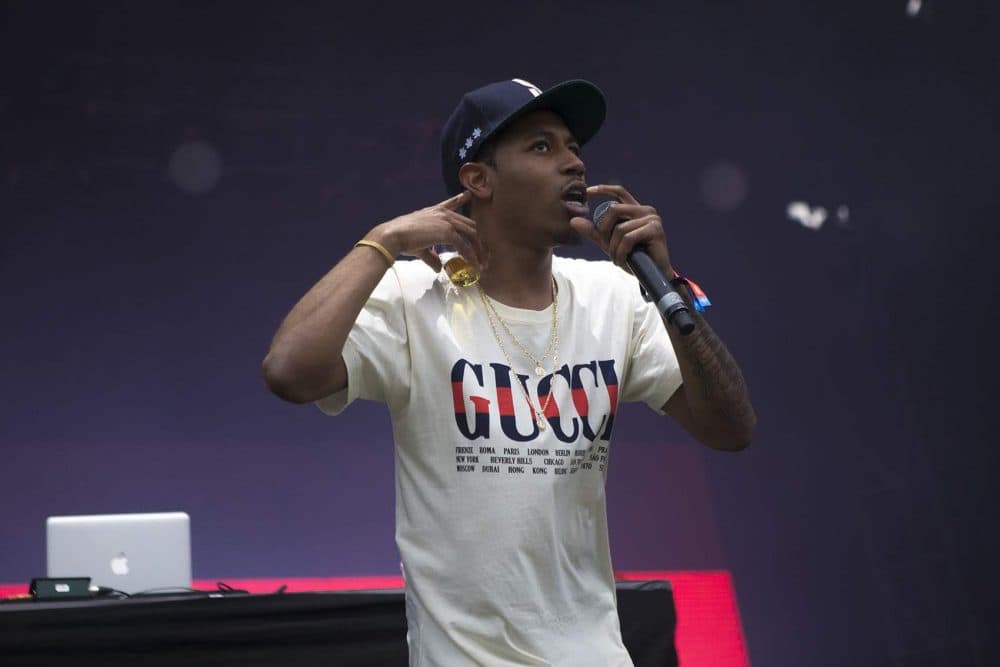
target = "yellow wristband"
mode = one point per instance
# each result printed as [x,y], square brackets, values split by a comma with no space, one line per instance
[378,246]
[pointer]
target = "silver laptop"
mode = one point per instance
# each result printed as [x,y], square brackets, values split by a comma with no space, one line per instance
[134,553]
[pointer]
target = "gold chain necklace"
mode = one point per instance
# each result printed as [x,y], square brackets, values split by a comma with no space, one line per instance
[539,363]
[553,347]
[553,335]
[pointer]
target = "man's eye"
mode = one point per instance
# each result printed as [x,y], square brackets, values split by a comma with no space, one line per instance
[540,145]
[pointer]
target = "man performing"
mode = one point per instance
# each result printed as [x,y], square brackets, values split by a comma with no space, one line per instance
[503,394]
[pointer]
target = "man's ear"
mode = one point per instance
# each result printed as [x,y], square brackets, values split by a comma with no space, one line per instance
[477,178]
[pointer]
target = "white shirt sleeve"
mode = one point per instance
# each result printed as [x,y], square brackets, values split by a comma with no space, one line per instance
[653,373]
[376,353]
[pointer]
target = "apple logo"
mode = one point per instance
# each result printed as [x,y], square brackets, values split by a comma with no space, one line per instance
[119,564]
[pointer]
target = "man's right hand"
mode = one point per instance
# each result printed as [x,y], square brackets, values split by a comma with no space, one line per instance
[416,233]
[305,361]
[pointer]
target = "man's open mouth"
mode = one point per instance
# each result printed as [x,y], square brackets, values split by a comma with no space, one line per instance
[575,199]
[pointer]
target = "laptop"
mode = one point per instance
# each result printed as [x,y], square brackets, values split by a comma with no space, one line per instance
[133,553]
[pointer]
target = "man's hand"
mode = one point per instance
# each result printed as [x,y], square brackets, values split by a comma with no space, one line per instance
[626,224]
[416,233]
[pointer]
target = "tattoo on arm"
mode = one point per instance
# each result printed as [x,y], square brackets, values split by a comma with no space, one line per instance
[714,380]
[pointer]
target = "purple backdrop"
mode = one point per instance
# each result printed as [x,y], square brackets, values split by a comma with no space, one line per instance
[174,178]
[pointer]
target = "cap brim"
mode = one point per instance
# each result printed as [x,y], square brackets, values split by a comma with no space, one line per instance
[580,103]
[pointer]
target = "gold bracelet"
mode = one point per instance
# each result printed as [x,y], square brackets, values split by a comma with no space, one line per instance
[378,246]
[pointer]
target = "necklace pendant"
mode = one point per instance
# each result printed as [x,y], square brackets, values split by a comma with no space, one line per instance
[541,424]
[539,371]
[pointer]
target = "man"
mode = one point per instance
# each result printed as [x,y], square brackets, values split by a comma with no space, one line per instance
[503,394]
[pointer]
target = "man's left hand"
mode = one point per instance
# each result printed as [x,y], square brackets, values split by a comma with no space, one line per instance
[626,224]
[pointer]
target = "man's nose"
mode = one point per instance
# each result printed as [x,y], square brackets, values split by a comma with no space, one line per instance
[574,165]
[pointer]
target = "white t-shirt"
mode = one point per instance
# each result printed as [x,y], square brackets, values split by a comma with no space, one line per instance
[501,526]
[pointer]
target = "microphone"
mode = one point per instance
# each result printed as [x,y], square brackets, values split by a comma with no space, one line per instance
[667,300]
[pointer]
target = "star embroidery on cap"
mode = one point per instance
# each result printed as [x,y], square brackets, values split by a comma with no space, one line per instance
[476,132]
[468,142]
[461,153]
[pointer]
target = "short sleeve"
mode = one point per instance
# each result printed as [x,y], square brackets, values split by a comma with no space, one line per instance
[376,352]
[653,373]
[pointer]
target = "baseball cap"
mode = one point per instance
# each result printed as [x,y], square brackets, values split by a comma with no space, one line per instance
[485,111]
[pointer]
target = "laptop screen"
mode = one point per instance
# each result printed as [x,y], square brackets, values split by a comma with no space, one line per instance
[133,553]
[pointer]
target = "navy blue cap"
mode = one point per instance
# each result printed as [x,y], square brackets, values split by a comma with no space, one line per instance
[487,110]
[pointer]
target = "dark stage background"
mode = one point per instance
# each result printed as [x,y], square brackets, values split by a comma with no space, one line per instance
[174,176]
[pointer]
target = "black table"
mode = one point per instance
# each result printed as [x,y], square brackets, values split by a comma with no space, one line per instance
[291,629]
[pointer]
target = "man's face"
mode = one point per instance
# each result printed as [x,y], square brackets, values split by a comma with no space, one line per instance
[538,181]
